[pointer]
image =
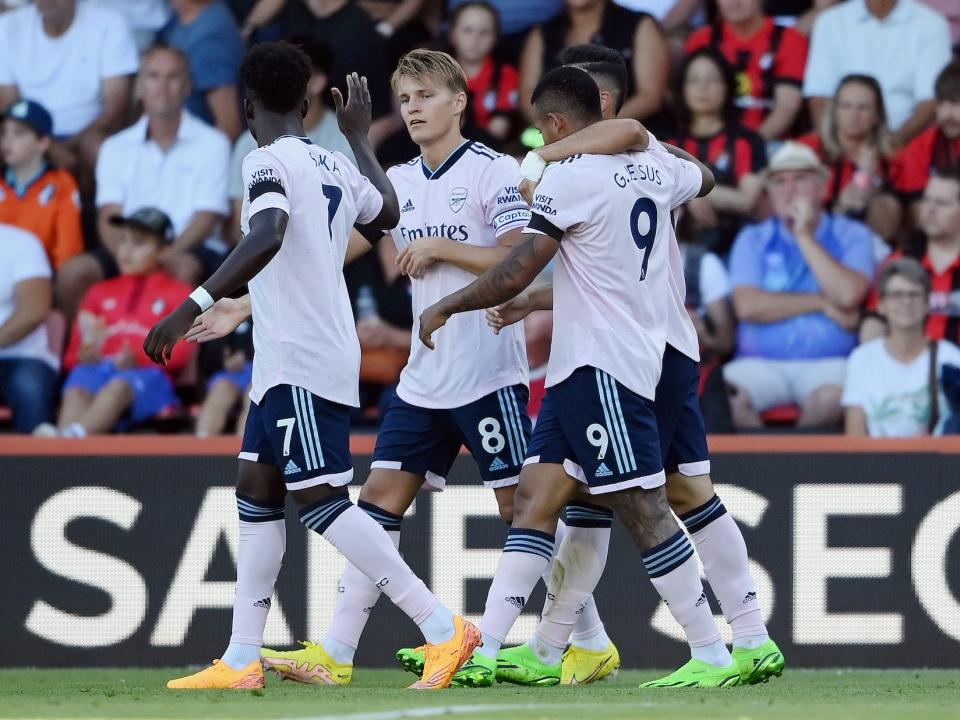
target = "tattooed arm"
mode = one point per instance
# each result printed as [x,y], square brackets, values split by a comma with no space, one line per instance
[497,285]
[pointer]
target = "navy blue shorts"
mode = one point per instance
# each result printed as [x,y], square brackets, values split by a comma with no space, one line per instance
[603,434]
[683,436]
[152,389]
[426,441]
[305,436]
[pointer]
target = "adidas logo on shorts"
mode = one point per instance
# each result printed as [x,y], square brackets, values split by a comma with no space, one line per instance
[292,468]
[498,465]
[603,471]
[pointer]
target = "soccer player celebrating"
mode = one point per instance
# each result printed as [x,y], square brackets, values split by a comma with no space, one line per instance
[299,206]
[607,220]
[690,490]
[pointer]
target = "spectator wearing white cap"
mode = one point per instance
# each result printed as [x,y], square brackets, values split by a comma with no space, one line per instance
[798,281]
[77,59]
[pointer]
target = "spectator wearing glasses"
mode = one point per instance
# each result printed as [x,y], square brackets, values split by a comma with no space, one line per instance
[892,387]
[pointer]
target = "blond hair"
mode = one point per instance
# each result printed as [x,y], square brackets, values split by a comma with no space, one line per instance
[437,65]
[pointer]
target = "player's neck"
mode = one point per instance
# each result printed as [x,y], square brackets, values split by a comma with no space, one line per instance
[271,127]
[436,152]
[315,114]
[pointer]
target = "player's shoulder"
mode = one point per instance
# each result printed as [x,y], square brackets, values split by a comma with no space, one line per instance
[483,152]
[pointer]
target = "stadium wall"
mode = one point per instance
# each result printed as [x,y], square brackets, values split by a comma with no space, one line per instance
[119,551]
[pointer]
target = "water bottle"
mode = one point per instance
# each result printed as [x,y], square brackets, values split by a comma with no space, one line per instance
[366,304]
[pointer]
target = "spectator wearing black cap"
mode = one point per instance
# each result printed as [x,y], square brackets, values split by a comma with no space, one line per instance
[170,160]
[319,122]
[28,369]
[34,196]
[77,59]
[112,383]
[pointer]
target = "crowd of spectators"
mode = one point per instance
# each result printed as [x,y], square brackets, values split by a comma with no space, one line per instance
[823,272]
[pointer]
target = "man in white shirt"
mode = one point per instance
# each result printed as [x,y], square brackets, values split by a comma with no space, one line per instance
[169,160]
[902,43]
[145,17]
[609,218]
[77,59]
[300,205]
[28,369]
[319,122]
[888,391]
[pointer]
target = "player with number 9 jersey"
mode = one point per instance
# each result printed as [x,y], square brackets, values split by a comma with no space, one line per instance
[611,216]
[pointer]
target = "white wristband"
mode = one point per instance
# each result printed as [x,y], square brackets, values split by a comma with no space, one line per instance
[532,167]
[202,298]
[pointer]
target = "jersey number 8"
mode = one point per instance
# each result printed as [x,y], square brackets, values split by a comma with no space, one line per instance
[490,436]
[644,232]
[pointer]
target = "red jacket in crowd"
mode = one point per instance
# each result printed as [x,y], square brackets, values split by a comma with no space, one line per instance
[120,312]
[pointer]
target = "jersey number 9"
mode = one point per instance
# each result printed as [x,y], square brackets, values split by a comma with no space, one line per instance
[644,232]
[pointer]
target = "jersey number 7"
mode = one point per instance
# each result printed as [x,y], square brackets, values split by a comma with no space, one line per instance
[334,195]
[644,238]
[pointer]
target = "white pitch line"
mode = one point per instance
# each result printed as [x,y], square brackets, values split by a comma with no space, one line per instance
[441,710]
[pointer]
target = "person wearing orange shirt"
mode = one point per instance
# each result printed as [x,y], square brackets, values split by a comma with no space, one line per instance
[34,196]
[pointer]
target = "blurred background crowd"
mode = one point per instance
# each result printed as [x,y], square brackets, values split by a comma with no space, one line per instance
[823,273]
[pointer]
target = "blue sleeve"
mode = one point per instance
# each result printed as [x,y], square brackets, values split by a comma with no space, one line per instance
[746,260]
[216,61]
[858,253]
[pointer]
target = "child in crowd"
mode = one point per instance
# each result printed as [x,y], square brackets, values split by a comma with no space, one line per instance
[229,386]
[112,384]
[494,87]
[34,196]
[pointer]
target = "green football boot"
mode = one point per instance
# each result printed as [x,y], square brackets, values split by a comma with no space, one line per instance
[698,674]
[478,671]
[760,664]
[520,666]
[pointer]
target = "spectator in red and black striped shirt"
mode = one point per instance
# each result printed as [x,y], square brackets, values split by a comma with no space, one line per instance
[939,253]
[938,147]
[769,60]
[708,130]
[854,143]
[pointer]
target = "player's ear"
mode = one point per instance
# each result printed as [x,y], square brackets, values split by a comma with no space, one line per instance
[306,106]
[460,102]
[606,98]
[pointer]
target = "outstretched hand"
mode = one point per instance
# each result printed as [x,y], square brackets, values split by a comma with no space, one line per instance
[509,313]
[354,116]
[217,322]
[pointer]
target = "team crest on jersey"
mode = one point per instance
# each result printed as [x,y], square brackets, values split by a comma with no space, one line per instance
[109,304]
[458,198]
[159,305]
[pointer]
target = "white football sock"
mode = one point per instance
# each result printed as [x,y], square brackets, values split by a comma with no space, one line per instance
[578,566]
[526,555]
[723,552]
[367,546]
[674,573]
[546,652]
[357,595]
[263,538]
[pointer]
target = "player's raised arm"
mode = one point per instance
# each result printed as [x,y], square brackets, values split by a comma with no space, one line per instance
[497,285]
[354,119]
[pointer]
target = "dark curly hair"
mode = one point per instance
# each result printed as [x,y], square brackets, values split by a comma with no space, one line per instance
[275,75]
[729,111]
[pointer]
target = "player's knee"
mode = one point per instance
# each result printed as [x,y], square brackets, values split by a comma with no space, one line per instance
[505,505]
[260,483]
[646,515]
[687,493]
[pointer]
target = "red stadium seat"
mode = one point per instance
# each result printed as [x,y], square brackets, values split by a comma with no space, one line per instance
[781,415]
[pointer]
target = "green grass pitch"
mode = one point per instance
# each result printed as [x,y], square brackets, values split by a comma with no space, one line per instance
[379,695]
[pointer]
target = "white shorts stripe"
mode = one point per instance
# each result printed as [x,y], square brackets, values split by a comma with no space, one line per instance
[308,400]
[507,428]
[307,455]
[701,467]
[386,465]
[615,392]
[647,482]
[614,437]
[333,479]
[252,457]
[519,420]
[510,415]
